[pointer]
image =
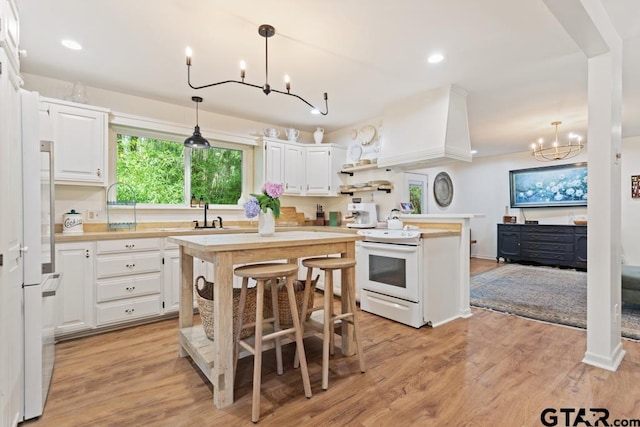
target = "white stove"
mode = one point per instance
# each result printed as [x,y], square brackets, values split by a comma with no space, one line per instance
[398,237]
[390,266]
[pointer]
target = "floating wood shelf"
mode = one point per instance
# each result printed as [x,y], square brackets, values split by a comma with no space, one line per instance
[350,171]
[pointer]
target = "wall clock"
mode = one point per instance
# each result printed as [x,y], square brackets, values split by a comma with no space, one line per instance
[443,189]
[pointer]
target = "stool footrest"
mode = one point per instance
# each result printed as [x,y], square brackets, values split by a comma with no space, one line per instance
[277,334]
[248,347]
[341,316]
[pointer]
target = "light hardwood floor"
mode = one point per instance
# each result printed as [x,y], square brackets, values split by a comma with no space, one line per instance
[489,370]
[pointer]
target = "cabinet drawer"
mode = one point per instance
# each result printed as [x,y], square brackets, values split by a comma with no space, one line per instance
[550,229]
[127,245]
[547,238]
[506,227]
[129,309]
[544,246]
[542,255]
[127,287]
[125,264]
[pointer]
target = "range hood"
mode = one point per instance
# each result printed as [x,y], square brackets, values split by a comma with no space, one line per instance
[425,130]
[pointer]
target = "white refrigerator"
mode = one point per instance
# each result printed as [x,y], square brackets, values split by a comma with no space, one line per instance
[40,279]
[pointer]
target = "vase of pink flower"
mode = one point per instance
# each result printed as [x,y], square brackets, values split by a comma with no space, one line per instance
[266,206]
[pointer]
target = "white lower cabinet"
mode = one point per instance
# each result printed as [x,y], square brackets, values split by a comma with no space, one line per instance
[128,280]
[172,280]
[75,294]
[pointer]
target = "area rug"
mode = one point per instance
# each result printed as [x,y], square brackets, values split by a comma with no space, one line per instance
[543,293]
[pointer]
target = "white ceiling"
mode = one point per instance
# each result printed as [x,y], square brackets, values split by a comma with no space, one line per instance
[520,68]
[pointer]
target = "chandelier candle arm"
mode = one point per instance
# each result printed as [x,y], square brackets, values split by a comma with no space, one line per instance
[557,151]
[265,31]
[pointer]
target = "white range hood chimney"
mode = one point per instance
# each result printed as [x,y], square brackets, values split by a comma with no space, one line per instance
[425,130]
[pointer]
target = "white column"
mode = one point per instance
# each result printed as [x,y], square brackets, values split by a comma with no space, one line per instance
[589,25]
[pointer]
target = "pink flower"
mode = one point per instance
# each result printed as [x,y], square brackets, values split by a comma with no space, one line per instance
[272,189]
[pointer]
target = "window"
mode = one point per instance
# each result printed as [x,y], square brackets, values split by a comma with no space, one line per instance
[162,171]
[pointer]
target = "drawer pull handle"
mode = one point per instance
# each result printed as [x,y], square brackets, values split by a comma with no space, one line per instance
[130,310]
[130,265]
[130,288]
[99,172]
[130,245]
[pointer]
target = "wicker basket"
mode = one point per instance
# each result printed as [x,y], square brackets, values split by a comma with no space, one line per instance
[205,306]
[284,312]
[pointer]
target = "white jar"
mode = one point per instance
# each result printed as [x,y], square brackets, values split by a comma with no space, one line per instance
[317,135]
[72,222]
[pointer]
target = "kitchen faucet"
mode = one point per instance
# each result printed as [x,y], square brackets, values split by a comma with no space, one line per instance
[213,221]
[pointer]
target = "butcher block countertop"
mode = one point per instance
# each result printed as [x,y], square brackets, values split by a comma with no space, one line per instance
[441,231]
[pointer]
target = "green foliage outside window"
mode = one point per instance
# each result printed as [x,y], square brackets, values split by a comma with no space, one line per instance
[415,197]
[216,174]
[155,169]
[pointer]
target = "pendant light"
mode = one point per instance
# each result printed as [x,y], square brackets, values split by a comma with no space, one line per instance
[196,140]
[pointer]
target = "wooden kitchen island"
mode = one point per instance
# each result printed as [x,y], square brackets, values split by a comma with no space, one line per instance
[224,251]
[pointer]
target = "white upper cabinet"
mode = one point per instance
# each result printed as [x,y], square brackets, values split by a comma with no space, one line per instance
[80,136]
[303,169]
[274,161]
[10,32]
[323,164]
[293,169]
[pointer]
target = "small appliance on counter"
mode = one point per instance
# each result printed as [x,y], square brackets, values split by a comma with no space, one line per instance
[365,215]
[393,221]
[319,215]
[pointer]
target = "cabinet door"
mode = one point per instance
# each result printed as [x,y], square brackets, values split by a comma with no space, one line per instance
[581,248]
[75,300]
[80,138]
[10,31]
[317,176]
[508,244]
[274,162]
[293,169]
[172,280]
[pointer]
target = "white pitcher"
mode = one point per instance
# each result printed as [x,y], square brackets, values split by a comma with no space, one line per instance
[317,135]
[271,132]
[292,134]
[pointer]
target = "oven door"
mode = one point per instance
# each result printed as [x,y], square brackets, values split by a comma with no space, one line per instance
[392,270]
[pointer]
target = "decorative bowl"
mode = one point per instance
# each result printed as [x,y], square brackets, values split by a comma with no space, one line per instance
[580,221]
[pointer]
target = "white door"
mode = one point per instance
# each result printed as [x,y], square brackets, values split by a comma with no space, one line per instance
[75,300]
[172,280]
[79,135]
[293,169]
[274,162]
[317,177]
[11,274]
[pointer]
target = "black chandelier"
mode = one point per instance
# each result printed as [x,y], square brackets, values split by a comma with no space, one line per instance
[265,31]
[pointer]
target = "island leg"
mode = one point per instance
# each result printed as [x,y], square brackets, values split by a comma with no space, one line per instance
[348,278]
[185,313]
[222,370]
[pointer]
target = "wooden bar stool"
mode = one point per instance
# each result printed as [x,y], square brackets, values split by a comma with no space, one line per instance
[261,273]
[329,265]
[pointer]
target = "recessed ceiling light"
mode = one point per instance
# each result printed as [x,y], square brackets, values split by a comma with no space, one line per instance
[474,151]
[70,44]
[435,58]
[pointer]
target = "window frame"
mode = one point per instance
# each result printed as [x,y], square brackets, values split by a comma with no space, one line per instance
[247,162]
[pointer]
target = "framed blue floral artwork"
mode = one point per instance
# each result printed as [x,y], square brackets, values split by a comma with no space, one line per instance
[550,186]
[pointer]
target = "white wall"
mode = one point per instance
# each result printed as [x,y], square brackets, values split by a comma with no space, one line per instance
[630,207]
[482,187]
